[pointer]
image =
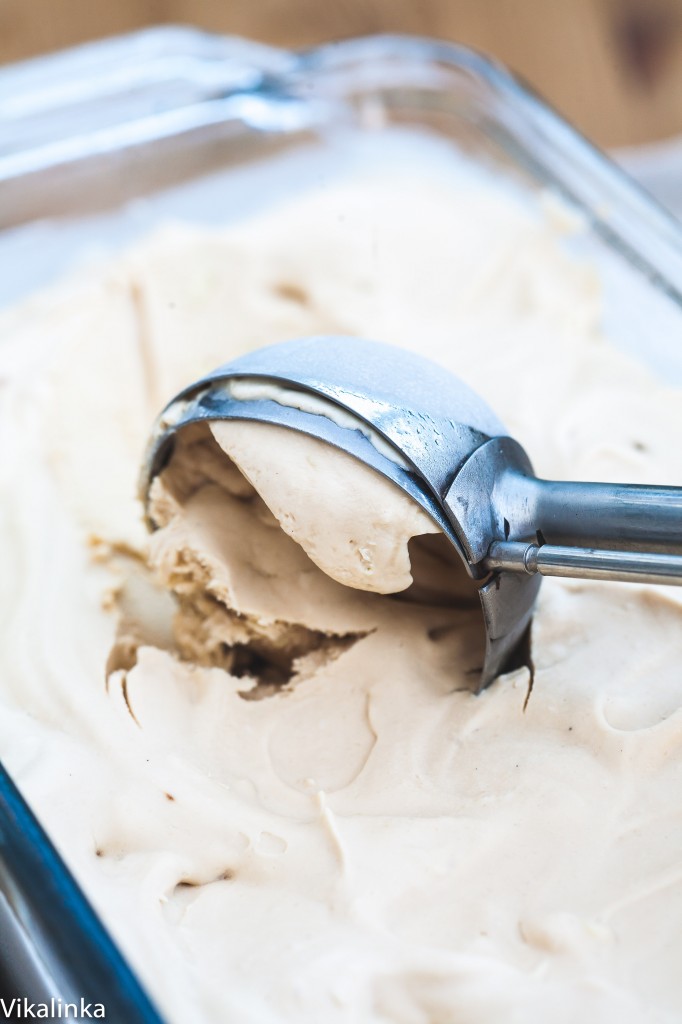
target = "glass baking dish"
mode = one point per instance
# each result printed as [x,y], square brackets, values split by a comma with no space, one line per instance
[101,143]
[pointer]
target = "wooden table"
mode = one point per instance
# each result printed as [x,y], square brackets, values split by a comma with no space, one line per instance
[614,67]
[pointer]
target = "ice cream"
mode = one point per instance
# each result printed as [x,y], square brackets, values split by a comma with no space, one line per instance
[278,788]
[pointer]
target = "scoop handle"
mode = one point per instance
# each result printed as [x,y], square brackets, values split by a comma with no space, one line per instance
[629,517]
[585,563]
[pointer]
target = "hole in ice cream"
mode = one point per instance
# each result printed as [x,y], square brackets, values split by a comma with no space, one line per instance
[292,292]
[274,668]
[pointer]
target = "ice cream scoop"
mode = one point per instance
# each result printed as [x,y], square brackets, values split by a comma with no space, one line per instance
[424,429]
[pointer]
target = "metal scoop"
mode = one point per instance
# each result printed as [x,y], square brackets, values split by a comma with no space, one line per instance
[421,427]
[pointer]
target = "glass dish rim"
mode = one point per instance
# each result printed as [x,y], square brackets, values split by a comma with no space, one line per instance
[628,219]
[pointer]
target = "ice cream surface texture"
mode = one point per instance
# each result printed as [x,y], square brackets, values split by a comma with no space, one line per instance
[267,769]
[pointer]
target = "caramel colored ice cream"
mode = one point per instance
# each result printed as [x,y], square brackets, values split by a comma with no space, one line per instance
[252,732]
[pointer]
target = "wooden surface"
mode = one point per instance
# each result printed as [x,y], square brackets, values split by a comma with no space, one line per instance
[614,67]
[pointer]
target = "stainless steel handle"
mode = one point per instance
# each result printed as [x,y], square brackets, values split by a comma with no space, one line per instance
[585,563]
[629,516]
